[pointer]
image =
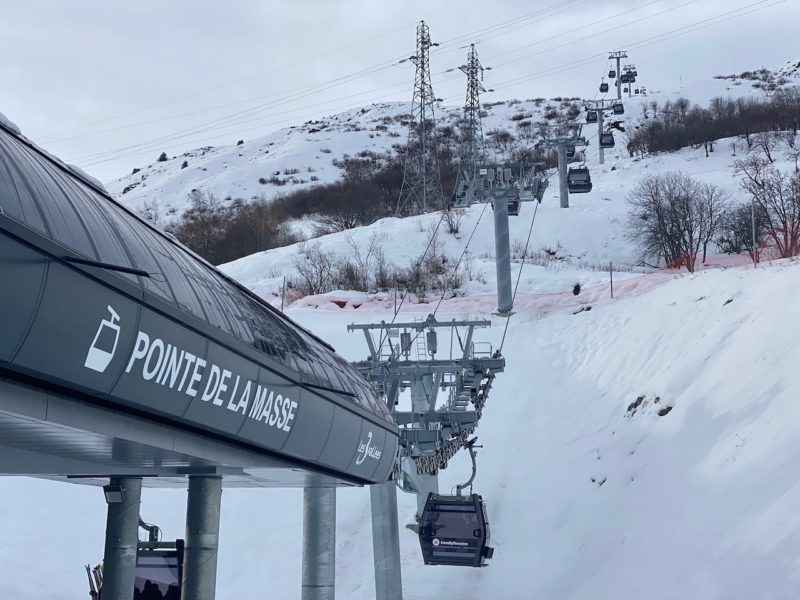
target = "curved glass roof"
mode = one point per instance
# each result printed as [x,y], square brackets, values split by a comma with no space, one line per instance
[38,192]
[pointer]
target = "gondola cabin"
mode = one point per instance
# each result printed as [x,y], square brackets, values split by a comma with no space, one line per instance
[591,116]
[603,87]
[579,181]
[618,108]
[570,152]
[454,530]
[612,74]
[158,574]
[513,208]
[606,140]
[159,570]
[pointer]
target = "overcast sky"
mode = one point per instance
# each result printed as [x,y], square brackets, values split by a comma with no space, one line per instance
[108,85]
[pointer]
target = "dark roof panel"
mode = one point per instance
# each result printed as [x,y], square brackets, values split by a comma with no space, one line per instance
[44,195]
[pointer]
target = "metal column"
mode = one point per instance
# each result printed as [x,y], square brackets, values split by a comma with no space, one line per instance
[319,543]
[562,174]
[202,537]
[619,83]
[421,391]
[386,541]
[122,530]
[600,116]
[502,250]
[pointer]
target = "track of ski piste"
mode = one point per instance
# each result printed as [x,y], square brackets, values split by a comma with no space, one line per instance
[646,448]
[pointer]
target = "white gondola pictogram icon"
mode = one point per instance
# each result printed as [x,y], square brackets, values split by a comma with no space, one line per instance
[101,352]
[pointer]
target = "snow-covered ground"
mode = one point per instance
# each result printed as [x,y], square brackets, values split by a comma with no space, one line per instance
[588,498]
[591,492]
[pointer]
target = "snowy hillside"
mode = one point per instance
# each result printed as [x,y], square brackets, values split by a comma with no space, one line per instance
[568,246]
[297,157]
[640,449]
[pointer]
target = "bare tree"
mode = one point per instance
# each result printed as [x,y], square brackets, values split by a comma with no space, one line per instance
[738,227]
[765,142]
[151,210]
[672,217]
[778,196]
[794,155]
[453,218]
[362,261]
[712,204]
[315,267]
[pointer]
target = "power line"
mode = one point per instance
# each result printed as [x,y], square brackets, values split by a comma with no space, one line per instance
[233,82]
[223,122]
[303,91]
[756,6]
[761,5]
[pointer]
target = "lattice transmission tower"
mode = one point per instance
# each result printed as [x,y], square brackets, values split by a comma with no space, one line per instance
[472,132]
[421,189]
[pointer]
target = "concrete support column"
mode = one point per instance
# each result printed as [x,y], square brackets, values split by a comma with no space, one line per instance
[421,391]
[502,250]
[427,484]
[562,174]
[202,537]
[319,543]
[386,541]
[599,133]
[122,530]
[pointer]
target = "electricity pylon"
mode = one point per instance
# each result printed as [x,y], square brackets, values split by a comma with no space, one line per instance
[421,189]
[472,131]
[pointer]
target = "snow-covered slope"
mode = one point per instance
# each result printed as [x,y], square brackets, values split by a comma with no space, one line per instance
[583,239]
[302,156]
[588,496]
[592,493]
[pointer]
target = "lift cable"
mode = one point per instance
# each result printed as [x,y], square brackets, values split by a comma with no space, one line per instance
[655,39]
[460,258]
[381,338]
[521,266]
[455,269]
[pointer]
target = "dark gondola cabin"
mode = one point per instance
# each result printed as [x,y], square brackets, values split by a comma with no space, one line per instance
[606,140]
[570,152]
[591,116]
[159,570]
[603,87]
[612,74]
[454,530]
[618,108]
[579,181]
[513,208]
